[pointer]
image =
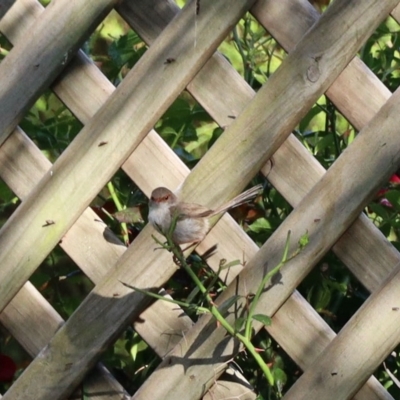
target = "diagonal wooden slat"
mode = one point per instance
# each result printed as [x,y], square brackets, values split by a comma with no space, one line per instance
[88,102]
[84,236]
[325,220]
[29,68]
[32,321]
[198,42]
[84,161]
[338,369]
[61,330]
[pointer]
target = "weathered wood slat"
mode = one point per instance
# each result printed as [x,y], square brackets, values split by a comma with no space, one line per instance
[311,340]
[28,69]
[208,169]
[360,346]
[360,95]
[383,154]
[230,15]
[84,161]
[22,165]
[5,6]
[368,92]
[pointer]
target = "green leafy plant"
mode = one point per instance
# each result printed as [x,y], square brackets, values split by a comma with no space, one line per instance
[242,329]
[188,129]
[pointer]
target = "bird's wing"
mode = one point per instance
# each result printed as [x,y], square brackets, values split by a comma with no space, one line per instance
[192,210]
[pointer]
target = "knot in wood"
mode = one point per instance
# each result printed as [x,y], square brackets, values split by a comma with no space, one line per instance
[313,72]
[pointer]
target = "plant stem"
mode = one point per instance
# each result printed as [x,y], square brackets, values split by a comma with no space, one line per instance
[264,367]
[245,339]
[261,287]
[119,206]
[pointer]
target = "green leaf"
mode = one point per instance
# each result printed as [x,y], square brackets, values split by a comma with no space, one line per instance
[303,241]
[217,132]
[264,319]
[260,225]
[305,122]
[227,304]
[320,296]
[280,378]
[324,143]
[6,195]
[123,50]
[189,133]
[178,113]
[138,346]
[130,215]
[379,210]
[239,323]
[394,198]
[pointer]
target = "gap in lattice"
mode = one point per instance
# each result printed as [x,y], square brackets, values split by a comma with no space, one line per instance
[270,210]
[333,291]
[325,132]
[5,47]
[114,47]
[50,125]
[188,129]
[381,53]
[61,282]
[252,51]
[384,209]
[12,355]
[8,202]
[130,360]
[122,201]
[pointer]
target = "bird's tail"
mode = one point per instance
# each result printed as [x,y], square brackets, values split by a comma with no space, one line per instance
[237,201]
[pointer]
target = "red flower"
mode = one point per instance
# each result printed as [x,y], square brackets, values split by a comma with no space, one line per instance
[395,179]
[7,368]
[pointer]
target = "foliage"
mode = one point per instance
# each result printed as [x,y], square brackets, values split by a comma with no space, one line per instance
[242,328]
[190,132]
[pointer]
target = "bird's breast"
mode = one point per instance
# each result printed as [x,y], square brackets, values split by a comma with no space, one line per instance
[160,218]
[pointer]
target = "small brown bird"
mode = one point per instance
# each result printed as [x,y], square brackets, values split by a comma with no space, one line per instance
[193,219]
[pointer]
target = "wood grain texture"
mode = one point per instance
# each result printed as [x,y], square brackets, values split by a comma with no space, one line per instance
[163,153]
[31,66]
[360,346]
[311,339]
[334,216]
[5,6]
[195,350]
[22,165]
[359,94]
[396,13]
[64,166]
[356,92]
[128,115]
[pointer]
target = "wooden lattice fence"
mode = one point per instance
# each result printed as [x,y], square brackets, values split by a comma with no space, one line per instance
[327,205]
